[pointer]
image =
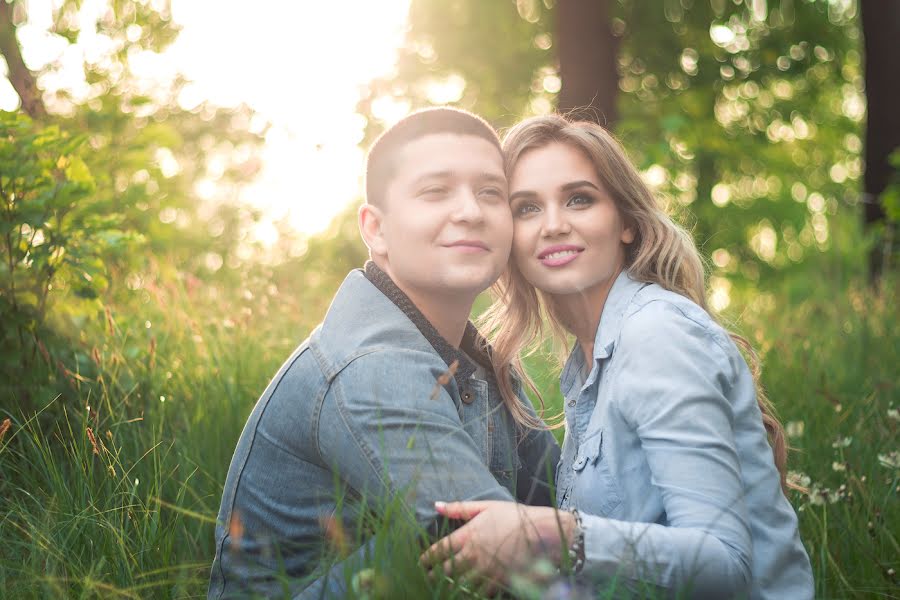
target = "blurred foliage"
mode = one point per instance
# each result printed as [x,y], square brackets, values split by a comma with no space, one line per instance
[745,116]
[56,236]
[891,196]
[128,180]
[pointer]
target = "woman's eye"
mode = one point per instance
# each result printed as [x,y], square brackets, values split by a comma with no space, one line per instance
[580,200]
[524,209]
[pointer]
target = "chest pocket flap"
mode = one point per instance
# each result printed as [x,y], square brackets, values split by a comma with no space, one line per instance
[588,451]
[596,491]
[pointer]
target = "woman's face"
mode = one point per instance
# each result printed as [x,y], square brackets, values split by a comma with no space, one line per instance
[568,235]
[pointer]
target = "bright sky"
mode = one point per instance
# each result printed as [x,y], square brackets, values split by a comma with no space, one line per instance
[301,65]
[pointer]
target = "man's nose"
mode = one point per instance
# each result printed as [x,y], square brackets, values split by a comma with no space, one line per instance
[467,207]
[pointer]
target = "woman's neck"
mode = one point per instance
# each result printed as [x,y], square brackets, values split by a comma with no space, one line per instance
[580,314]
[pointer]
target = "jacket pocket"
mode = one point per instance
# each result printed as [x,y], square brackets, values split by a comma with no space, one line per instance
[595,491]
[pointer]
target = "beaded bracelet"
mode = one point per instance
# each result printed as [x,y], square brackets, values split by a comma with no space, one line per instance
[576,548]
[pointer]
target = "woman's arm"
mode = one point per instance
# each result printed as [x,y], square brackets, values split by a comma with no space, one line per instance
[670,386]
[670,383]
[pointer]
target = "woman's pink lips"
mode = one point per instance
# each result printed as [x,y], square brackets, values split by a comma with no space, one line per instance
[559,260]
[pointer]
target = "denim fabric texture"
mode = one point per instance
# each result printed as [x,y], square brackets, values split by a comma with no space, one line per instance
[667,460]
[358,411]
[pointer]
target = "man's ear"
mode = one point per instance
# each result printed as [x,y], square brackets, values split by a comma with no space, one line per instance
[370,219]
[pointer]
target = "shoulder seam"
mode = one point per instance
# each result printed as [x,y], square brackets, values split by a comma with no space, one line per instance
[709,331]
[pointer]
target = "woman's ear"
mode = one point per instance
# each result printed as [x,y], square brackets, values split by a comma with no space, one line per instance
[370,219]
[627,234]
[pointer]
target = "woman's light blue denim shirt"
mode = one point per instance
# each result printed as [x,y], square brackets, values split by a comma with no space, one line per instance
[667,460]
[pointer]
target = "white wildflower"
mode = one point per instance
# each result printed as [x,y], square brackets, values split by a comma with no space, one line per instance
[794,429]
[890,460]
[798,478]
[842,442]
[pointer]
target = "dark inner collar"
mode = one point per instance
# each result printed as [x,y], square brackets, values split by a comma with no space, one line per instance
[473,344]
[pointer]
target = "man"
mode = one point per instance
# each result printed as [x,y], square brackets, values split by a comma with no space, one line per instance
[394,393]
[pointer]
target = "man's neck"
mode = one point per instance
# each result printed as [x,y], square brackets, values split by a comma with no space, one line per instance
[448,314]
[447,310]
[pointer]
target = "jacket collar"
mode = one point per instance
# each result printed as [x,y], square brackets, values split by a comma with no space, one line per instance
[620,296]
[473,344]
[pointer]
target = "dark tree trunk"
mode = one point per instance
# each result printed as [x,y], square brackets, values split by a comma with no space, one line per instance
[881,29]
[587,61]
[21,78]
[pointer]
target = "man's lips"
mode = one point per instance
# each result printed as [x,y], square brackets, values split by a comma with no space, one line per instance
[468,245]
[556,256]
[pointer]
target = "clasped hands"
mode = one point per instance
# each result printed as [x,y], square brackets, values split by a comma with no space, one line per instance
[499,539]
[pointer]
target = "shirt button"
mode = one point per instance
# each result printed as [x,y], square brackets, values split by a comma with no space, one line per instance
[571,403]
[468,397]
[578,463]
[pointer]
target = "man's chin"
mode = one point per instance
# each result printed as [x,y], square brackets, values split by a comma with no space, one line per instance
[469,284]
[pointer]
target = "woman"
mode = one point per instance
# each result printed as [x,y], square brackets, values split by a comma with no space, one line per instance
[667,479]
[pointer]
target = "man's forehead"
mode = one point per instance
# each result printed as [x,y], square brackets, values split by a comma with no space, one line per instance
[448,154]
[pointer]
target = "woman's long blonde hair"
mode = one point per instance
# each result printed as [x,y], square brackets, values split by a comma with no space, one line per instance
[662,253]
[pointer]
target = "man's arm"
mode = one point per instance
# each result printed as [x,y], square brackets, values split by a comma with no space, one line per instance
[387,428]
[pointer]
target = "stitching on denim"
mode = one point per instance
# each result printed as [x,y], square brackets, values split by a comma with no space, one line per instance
[340,400]
[220,550]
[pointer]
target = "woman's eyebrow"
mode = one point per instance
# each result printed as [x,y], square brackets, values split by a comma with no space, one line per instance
[574,185]
[566,187]
[522,194]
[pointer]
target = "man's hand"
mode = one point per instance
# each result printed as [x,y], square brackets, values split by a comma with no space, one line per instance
[499,539]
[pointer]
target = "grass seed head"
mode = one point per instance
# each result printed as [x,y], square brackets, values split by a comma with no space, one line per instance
[235,530]
[90,434]
[4,427]
[444,378]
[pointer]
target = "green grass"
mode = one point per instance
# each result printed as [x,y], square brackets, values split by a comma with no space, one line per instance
[135,518]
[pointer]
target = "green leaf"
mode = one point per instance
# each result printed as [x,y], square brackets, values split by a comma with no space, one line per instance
[78,172]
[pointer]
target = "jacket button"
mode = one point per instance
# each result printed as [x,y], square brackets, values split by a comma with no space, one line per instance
[468,397]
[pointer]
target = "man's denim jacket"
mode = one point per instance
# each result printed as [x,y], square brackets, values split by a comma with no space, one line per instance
[367,405]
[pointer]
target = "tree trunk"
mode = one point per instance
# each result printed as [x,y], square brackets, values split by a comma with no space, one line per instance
[22,79]
[587,61]
[881,29]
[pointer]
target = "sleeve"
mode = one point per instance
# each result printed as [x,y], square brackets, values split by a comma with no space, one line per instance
[393,430]
[337,580]
[670,387]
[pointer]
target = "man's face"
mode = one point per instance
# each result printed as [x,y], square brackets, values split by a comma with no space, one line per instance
[446,223]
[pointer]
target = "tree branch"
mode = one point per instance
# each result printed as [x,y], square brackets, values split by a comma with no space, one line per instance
[21,78]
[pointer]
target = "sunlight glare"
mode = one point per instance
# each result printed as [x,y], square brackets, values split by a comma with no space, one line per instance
[300,66]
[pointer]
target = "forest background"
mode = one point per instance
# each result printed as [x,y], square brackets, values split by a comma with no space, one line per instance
[139,321]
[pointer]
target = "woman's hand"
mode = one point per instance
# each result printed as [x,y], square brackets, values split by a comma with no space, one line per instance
[500,538]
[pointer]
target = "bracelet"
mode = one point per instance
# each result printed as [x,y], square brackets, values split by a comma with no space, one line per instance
[576,547]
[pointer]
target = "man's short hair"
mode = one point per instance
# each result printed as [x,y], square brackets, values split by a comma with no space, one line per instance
[381,160]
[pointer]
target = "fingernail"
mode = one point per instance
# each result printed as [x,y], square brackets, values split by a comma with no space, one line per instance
[440,505]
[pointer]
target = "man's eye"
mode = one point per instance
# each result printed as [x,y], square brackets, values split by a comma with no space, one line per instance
[492,192]
[434,190]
